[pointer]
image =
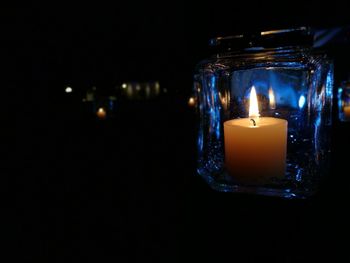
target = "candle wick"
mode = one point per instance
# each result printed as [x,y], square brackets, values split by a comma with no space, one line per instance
[254,123]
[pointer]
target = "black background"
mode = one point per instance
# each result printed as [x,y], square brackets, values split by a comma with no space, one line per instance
[79,189]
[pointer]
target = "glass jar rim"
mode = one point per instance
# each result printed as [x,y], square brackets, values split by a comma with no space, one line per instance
[301,37]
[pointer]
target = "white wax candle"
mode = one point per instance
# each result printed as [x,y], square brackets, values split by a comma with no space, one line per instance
[255,148]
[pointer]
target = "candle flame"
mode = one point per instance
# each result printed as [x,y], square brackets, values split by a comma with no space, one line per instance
[272,99]
[253,105]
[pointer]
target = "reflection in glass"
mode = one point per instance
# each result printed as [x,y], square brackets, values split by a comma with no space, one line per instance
[344,101]
[272,99]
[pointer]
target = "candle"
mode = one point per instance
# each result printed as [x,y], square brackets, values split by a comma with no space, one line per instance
[346,110]
[255,147]
[191,102]
[101,113]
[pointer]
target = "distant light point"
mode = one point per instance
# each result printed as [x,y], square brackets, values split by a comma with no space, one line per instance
[68,90]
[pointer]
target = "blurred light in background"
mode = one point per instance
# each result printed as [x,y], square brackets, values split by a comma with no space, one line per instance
[140,90]
[191,102]
[68,90]
[101,113]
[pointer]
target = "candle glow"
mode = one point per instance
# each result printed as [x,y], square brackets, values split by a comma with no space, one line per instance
[272,99]
[101,113]
[191,102]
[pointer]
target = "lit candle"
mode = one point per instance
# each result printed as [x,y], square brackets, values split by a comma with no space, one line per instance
[101,113]
[191,102]
[346,110]
[255,147]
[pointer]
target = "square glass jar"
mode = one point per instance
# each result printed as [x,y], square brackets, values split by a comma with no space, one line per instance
[265,103]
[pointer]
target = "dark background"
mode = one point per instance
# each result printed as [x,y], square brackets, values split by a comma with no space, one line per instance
[81,189]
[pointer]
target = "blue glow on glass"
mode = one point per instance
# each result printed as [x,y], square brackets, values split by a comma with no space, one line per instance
[340,91]
[329,84]
[299,174]
[324,36]
[302,101]
[200,140]
[317,135]
[215,109]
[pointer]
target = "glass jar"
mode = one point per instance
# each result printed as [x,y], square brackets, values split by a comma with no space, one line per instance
[265,104]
